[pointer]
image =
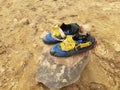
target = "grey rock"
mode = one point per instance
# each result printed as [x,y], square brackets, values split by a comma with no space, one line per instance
[56,72]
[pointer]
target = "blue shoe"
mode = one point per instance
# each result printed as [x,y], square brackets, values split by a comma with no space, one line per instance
[71,46]
[60,32]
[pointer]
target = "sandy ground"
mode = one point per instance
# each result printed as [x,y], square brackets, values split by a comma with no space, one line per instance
[23,22]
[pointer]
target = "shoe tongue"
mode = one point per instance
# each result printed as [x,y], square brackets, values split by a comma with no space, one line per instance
[65,27]
[73,28]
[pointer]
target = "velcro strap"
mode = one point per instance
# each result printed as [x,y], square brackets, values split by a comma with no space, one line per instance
[68,44]
[83,45]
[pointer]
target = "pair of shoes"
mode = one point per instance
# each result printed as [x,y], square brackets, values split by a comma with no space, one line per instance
[72,40]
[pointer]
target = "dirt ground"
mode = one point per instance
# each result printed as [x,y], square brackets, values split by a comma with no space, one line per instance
[23,23]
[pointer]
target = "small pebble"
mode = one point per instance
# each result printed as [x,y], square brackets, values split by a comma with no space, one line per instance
[35,45]
[116,46]
[25,21]
[15,20]
[32,25]
[2,70]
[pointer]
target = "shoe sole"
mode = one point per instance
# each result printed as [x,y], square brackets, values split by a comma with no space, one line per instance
[49,42]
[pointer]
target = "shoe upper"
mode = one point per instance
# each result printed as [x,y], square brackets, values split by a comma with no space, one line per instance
[70,29]
[70,46]
[60,32]
[69,43]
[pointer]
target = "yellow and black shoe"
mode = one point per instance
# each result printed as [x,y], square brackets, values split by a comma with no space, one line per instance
[73,45]
[60,32]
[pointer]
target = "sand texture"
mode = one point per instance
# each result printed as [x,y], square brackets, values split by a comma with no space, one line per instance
[24,22]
